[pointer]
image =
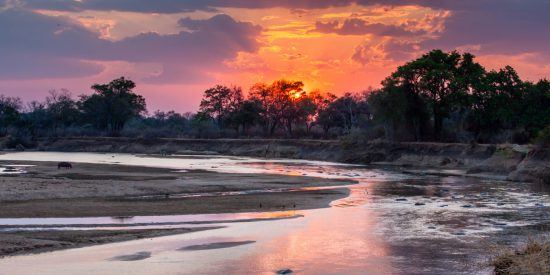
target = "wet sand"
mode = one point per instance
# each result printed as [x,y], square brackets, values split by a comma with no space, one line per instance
[219,245]
[116,190]
[21,242]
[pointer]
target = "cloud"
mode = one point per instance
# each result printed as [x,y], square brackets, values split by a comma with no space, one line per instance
[41,46]
[25,66]
[357,26]
[388,51]
[36,46]
[176,6]
[506,26]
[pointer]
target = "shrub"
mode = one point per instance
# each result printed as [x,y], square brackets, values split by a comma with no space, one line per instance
[534,258]
[543,137]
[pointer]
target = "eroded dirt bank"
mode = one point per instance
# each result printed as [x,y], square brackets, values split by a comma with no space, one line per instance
[514,162]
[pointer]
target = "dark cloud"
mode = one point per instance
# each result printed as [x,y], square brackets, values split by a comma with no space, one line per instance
[499,26]
[35,46]
[38,46]
[176,6]
[507,27]
[357,26]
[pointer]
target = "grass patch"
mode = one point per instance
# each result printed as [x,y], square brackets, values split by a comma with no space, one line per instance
[533,258]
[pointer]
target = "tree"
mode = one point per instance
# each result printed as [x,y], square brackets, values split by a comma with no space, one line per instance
[389,106]
[442,79]
[220,101]
[247,115]
[351,109]
[494,103]
[535,107]
[326,117]
[277,102]
[112,105]
[62,110]
[10,108]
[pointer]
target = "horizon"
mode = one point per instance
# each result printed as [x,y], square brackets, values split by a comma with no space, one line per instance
[174,50]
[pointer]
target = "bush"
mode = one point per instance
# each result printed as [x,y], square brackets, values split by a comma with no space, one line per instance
[543,137]
[18,141]
[534,258]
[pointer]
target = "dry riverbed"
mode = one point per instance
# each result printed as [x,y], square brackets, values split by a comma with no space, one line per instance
[118,190]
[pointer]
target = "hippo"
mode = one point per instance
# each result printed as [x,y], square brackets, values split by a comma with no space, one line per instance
[66,165]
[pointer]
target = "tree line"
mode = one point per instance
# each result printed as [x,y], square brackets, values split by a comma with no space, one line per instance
[440,97]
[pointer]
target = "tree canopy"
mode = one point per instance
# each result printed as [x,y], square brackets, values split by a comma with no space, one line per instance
[440,96]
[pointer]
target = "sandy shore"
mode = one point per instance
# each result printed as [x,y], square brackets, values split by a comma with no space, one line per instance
[116,190]
[21,242]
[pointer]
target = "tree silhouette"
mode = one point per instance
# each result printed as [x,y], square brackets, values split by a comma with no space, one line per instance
[112,105]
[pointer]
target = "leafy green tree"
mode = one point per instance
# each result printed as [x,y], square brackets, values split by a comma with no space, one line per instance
[112,105]
[442,79]
[495,103]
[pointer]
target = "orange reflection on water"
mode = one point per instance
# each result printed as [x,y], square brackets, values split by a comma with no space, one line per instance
[342,241]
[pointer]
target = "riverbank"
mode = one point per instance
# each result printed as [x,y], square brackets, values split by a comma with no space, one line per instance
[40,189]
[25,242]
[511,162]
[119,190]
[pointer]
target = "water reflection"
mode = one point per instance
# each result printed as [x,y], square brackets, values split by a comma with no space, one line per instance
[390,223]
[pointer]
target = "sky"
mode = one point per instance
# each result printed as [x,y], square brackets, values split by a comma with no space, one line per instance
[175,49]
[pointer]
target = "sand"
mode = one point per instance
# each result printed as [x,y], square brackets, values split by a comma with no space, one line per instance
[90,190]
[17,243]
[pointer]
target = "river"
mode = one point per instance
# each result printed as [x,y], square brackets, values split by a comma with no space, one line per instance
[391,223]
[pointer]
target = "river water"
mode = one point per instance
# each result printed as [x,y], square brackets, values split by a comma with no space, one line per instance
[391,223]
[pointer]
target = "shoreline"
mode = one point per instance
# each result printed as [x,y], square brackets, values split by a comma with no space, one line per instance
[522,163]
[111,190]
[123,190]
[19,243]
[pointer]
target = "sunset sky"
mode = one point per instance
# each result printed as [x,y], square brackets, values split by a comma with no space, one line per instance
[174,49]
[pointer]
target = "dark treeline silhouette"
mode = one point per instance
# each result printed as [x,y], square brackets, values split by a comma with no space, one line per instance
[441,97]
